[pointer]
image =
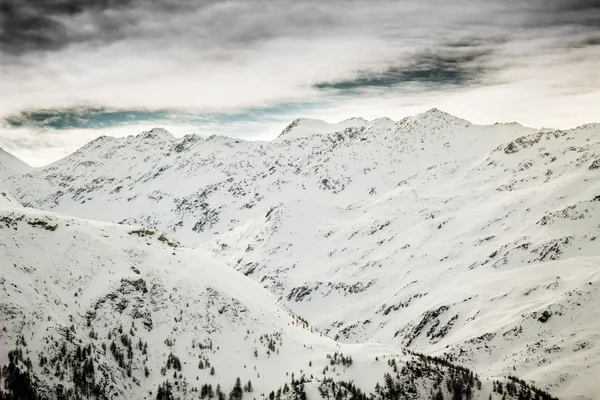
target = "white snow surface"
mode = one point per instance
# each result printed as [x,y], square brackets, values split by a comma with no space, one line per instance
[476,243]
[11,165]
[7,200]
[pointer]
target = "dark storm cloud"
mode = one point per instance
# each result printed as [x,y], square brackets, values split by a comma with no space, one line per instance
[590,41]
[469,60]
[28,25]
[456,64]
[562,13]
[33,25]
[584,6]
[83,117]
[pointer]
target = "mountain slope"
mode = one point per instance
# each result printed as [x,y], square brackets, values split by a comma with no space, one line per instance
[11,165]
[466,255]
[116,311]
[474,243]
[7,200]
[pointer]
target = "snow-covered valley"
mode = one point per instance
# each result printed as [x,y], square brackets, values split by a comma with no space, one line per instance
[374,239]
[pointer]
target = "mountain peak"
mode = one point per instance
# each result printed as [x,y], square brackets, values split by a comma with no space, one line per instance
[435,117]
[158,133]
[513,123]
[11,165]
[354,120]
[304,127]
[437,113]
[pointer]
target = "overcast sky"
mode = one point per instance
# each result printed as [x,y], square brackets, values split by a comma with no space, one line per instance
[71,70]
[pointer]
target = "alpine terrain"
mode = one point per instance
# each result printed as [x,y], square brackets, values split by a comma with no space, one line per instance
[423,258]
[11,165]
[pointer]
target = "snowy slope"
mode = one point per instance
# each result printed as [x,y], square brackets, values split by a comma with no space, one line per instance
[7,200]
[11,165]
[476,243]
[465,256]
[116,311]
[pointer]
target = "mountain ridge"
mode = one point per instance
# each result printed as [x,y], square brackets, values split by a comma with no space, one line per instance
[292,154]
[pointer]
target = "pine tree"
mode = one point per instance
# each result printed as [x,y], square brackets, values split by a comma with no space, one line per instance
[219,393]
[236,392]
[165,391]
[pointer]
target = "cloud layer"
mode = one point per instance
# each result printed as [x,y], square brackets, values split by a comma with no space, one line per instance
[101,64]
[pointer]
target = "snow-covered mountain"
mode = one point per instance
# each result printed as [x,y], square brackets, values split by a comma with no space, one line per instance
[11,165]
[492,261]
[96,310]
[198,188]
[473,243]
